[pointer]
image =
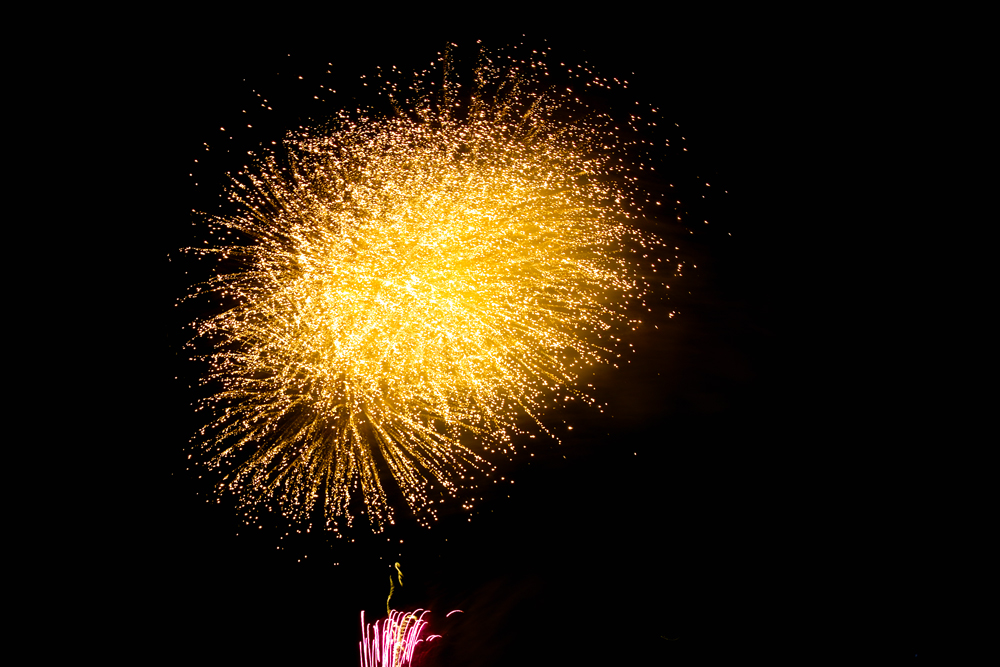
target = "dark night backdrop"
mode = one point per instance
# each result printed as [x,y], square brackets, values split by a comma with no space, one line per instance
[707,505]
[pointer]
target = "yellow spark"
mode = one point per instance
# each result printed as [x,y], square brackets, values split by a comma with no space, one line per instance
[402,290]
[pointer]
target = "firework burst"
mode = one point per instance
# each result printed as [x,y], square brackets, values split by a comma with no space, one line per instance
[400,290]
[392,641]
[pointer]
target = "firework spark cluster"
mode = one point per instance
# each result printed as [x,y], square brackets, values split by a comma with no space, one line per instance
[392,641]
[400,290]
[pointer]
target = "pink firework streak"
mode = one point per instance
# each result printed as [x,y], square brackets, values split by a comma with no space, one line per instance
[391,641]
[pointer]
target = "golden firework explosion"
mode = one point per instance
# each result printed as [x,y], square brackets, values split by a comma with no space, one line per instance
[400,290]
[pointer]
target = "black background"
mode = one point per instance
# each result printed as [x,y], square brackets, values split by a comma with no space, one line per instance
[704,516]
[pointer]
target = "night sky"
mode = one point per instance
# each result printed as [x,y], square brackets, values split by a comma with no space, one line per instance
[696,520]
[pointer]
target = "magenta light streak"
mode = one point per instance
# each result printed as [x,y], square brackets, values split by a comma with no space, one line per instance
[391,641]
[454,611]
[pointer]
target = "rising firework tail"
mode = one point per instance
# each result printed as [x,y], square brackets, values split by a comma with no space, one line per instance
[401,291]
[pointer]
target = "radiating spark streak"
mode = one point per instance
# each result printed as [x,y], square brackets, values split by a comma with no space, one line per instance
[404,290]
